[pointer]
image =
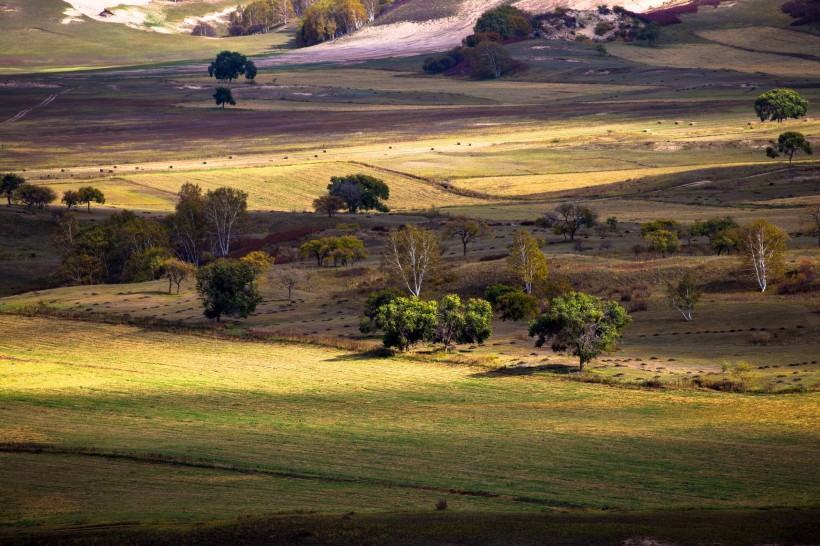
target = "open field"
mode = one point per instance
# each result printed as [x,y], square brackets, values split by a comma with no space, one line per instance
[307,419]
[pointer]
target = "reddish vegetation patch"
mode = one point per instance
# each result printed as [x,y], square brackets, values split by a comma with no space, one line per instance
[669,16]
[244,246]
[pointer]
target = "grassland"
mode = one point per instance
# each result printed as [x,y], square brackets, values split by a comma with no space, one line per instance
[291,427]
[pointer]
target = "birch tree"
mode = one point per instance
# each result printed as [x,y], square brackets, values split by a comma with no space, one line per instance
[412,254]
[225,210]
[761,250]
[683,296]
[526,261]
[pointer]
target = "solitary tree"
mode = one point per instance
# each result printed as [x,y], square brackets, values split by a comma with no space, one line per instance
[223,96]
[761,250]
[489,60]
[225,211]
[176,271]
[226,288]
[779,104]
[9,183]
[584,324]
[260,262]
[568,218]
[467,231]
[360,192]
[788,144]
[89,194]
[229,65]
[412,254]
[71,198]
[650,32]
[330,204]
[683,296]
[289,278]
[526,261]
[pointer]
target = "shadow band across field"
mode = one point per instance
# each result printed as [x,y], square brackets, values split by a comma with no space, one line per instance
[159,458]
[777,526]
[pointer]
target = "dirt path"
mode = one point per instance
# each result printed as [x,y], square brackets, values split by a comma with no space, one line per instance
[23,113]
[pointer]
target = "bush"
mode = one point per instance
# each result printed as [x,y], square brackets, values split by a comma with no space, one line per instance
[603,27]
[439,63]
[441,505]
[507,21]
[494,292]
[203,29]
[474,39]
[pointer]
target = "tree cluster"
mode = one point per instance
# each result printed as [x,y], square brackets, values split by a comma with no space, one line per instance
[259,17]
[344,250]
[408,321]
[328,19]
[85,195]
[507,21]
[16,190]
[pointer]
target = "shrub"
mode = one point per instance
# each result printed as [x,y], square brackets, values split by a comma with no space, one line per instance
[441,505]
[603,27]
[474,39]
[439,63]
[761,338]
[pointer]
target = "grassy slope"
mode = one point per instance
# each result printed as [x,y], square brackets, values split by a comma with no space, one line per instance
[385,422]
[34,40]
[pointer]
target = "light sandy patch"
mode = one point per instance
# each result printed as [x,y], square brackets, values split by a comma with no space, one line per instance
[93,8]
[215,18]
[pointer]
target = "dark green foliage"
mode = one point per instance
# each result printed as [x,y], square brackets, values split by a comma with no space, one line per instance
[583,324]
[567,218]
[517,306]
[34,196]
[89,194]
[803,11]
[474,39]
[443,62]
[71,198]
[495,291]
[223,96]
[360,192]
[226,288]
[229,65]
[457,323]
[788,144]
[372,305]
[650,32]
[602,28]
[779,104]
[9,183]
[407,321]
[188,226]
[507,21]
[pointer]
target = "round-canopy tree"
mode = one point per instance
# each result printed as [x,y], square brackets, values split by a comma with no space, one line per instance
[9,183]
[779,104]
[223,96]
[87,194]
[586,325]
[229,65]
[788,144]
[226,288]
[360,192]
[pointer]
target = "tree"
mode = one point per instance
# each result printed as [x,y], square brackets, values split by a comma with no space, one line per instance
[585,324]
[330,204]
[80,269]
[360,192]
[683,296]
[526,261]
[188,226]
[517,306]
[259,260]
[289,278]
[788,144]
[71,198]
[761,250]
[89,194]
[663,241]
[779,104]
[412,254]
[9,184]
[568,218]
[467,231]
[229,65]
[650,32]
[489,60]
[223,96]
[34,196]
[601,50]
[225,211]
[508,21]
[457,323]
[372,305]
[407,321]
[493,292]
[342,250]
[226,288]
[316,248]
[177,271]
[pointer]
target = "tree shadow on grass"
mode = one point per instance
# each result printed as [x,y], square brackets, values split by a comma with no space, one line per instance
[562,369]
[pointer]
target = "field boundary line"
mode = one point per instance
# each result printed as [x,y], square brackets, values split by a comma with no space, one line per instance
[159,458]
